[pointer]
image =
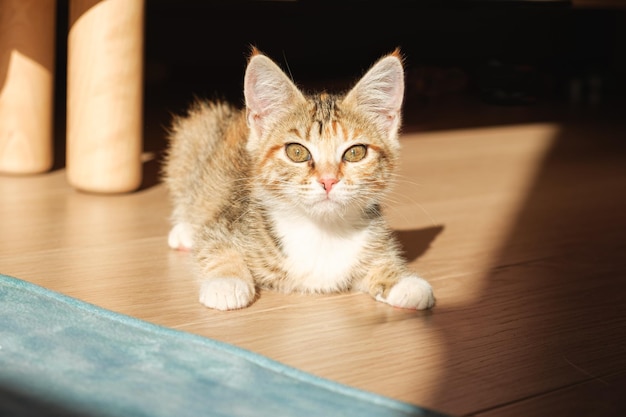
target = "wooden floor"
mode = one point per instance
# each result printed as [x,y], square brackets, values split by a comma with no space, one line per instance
[520,228]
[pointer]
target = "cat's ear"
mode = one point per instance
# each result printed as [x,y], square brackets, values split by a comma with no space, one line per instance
[268,92]
[379,93]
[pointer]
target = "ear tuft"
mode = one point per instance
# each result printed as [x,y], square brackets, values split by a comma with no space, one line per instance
[380,92]
[253,51]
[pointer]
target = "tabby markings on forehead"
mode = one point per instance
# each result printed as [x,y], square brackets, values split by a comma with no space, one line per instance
[324,113]
[296,132]
[325,109]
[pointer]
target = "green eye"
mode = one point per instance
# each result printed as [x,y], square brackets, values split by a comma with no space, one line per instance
[355,153]
[297,152]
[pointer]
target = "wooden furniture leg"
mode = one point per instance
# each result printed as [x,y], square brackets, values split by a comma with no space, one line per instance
[105,95]
[27,34]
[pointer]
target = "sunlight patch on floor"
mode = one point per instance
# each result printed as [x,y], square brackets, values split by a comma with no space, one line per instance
[490,179]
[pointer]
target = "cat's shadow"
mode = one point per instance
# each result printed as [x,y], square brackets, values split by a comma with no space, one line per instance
[415,243]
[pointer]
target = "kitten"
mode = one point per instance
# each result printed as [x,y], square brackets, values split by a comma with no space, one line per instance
[286,195]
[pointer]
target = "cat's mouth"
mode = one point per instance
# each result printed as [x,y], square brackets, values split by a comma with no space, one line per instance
[322,201]
[328,202]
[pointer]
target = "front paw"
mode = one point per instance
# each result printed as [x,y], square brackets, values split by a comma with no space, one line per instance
[226,293]
[410,292]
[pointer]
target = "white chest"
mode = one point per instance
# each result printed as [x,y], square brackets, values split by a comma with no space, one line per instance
[318,258]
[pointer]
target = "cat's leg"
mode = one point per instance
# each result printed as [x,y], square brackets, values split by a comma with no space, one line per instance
[398,287]
[226,281]
[181,236]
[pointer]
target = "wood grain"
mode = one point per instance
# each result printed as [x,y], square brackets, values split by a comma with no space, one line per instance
[519,228]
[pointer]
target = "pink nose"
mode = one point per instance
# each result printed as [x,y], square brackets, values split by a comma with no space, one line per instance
[328,183]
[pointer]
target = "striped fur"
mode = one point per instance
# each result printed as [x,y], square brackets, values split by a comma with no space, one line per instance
[254,218]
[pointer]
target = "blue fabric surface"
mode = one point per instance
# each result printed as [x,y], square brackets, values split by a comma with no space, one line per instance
[62,357]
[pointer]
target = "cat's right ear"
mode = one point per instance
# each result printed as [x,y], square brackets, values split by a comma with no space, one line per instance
[379,93]
[268,92]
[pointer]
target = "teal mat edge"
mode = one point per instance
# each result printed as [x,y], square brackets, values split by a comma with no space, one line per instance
[250,356]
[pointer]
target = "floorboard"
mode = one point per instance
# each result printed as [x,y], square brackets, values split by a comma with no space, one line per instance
[520,228]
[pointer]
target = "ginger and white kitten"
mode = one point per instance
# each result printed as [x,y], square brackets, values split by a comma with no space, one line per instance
[287,193]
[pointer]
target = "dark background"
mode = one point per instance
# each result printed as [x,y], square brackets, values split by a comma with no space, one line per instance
[529,51]
[468,62]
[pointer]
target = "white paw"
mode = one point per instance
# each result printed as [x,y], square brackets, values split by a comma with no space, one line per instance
[181,236]
[226,293]
[410,292]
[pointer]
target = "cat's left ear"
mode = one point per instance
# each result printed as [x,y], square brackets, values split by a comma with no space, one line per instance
[269,93]
[379,93]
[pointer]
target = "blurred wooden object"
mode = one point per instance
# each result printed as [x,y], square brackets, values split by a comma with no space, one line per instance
[105,80]
[27,33]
